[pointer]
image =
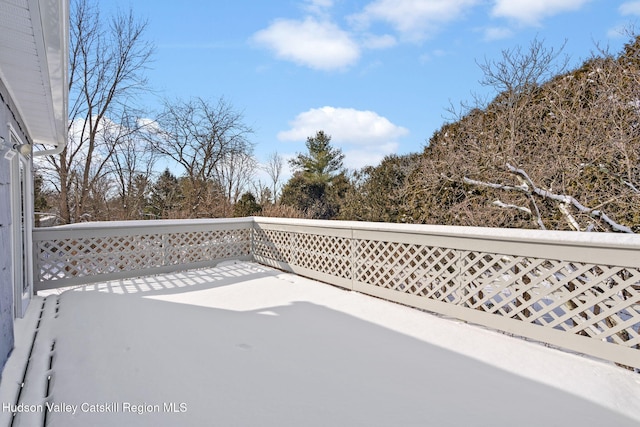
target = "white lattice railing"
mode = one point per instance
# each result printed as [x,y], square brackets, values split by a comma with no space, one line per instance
[579,291]
[91,252]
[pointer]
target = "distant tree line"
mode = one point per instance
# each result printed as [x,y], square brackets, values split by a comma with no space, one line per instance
[553,149]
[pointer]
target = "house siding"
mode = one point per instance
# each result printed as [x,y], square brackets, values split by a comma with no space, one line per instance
[6,271]
[8,115]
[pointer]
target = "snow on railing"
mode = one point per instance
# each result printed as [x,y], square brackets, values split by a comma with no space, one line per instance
[578,291]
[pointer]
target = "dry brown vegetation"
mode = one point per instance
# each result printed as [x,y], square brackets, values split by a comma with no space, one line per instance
[562,154]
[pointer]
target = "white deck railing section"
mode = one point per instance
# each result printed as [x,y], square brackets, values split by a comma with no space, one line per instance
[579,291]
[93,252]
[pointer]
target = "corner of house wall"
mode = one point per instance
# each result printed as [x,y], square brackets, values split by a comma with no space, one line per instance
[6,271]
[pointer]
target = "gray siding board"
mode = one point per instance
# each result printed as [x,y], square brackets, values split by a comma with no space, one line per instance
[6,272]
[6,297]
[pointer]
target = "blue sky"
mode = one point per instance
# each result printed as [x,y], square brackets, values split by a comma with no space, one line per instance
[376,75]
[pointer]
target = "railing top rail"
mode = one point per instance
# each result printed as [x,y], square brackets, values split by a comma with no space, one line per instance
[564,238]
[561,238]
[151,223]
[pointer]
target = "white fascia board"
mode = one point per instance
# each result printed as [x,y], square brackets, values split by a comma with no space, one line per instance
[50,20]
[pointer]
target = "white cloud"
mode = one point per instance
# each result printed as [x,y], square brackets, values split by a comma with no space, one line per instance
[497,33]
[357,159]
[345,124]
[371,41]
[150,125]
[428,56]
[630,8]
[321,4]
[530,12]
[364,136]
[318,7]
[313,43]
[414,19]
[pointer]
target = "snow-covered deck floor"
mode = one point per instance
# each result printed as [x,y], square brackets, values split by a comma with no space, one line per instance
[245,345]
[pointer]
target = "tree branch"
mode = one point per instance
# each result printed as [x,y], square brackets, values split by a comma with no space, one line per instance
[510,206]
[566,199]
[529,188]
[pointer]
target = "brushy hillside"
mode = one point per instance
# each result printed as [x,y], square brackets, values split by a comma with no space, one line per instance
[550,151]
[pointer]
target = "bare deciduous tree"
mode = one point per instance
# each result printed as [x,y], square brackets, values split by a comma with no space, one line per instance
[515,77]
[234,173]
[273,168]
[201,137]
[107,63]
[132,168]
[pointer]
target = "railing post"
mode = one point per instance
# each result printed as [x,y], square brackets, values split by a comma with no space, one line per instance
[354,259]
[294,248]
[35,256]
[252,237]
[165,245]
[458,279]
